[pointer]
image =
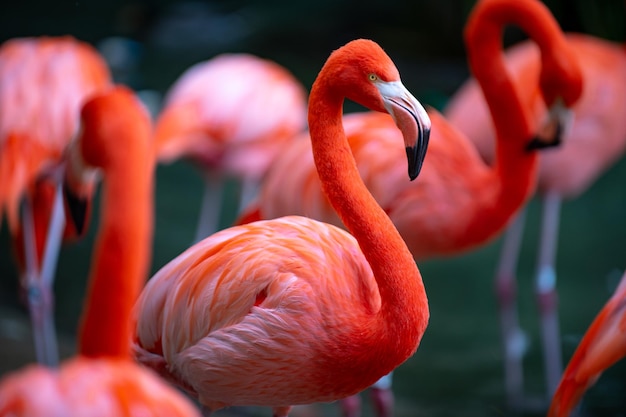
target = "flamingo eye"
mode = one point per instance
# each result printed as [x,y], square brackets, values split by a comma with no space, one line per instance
[373,77]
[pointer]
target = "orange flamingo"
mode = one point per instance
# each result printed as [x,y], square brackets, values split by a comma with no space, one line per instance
[231,115]
[43,82]
[596,139]
[291,310]
[603,344]
[103,380]
[460,202]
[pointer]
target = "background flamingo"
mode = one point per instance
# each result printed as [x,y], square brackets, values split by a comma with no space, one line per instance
[596,139]
[43,82]
[603,344]
[230,115]
[294,311]
[102,380]
[460,203]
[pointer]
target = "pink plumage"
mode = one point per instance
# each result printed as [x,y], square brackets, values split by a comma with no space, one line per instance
[597,137]
[231,114]
[291,310]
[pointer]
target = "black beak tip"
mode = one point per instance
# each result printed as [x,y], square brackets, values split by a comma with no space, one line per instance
[415,162]
[552,141]
[537,143]
[416,154]
[78,209]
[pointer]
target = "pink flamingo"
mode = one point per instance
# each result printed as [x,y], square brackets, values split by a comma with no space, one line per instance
[43,83]
[459,203]
[603,344]
[291,310]
[231,115]
[103,380]
[595,140]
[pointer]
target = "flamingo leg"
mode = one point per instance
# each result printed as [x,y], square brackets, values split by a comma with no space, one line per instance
[210,209]
[39,281]
[545,291]
[31,279]
[48,268]
[382,396]
[514,341]
[351,406]
[382,400]
[281,411]
[249,190]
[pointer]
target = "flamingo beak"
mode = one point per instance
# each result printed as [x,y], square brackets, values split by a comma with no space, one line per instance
[78,209]
[412,120]
[555,127]
[79,186]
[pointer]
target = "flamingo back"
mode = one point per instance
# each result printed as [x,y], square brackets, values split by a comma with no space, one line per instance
[424,211]
[232,113]
[307,300]
[292,186]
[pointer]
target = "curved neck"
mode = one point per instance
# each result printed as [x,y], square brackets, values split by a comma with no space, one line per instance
[483,36]
[399,281]
[121,256]
[515,168]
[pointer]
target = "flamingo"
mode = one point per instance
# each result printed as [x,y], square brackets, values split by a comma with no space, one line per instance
[291,310]
[231,115]
[460,203]
[43,82]
[603,344]
[103,380]
[596,139]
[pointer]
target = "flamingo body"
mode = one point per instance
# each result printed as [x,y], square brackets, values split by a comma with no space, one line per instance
[232,114]
[593,142]
[293,311]
[459,203]
[326,290]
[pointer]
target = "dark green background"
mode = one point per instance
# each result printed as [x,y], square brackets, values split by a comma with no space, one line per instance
[457,370]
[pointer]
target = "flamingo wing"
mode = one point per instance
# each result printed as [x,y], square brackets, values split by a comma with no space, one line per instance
[295,287]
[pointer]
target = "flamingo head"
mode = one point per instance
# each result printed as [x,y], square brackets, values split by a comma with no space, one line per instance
[362,72]
[103,119]
[561,85]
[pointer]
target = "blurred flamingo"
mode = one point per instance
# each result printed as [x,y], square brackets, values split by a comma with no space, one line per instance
[291,310]
[460,203]
[103,380]
[596,139]
[43,82]
[603,344]
[231,115]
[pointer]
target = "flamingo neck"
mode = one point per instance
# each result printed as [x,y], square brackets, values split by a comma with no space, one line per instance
[404,307]
[515,169]
[121,256]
